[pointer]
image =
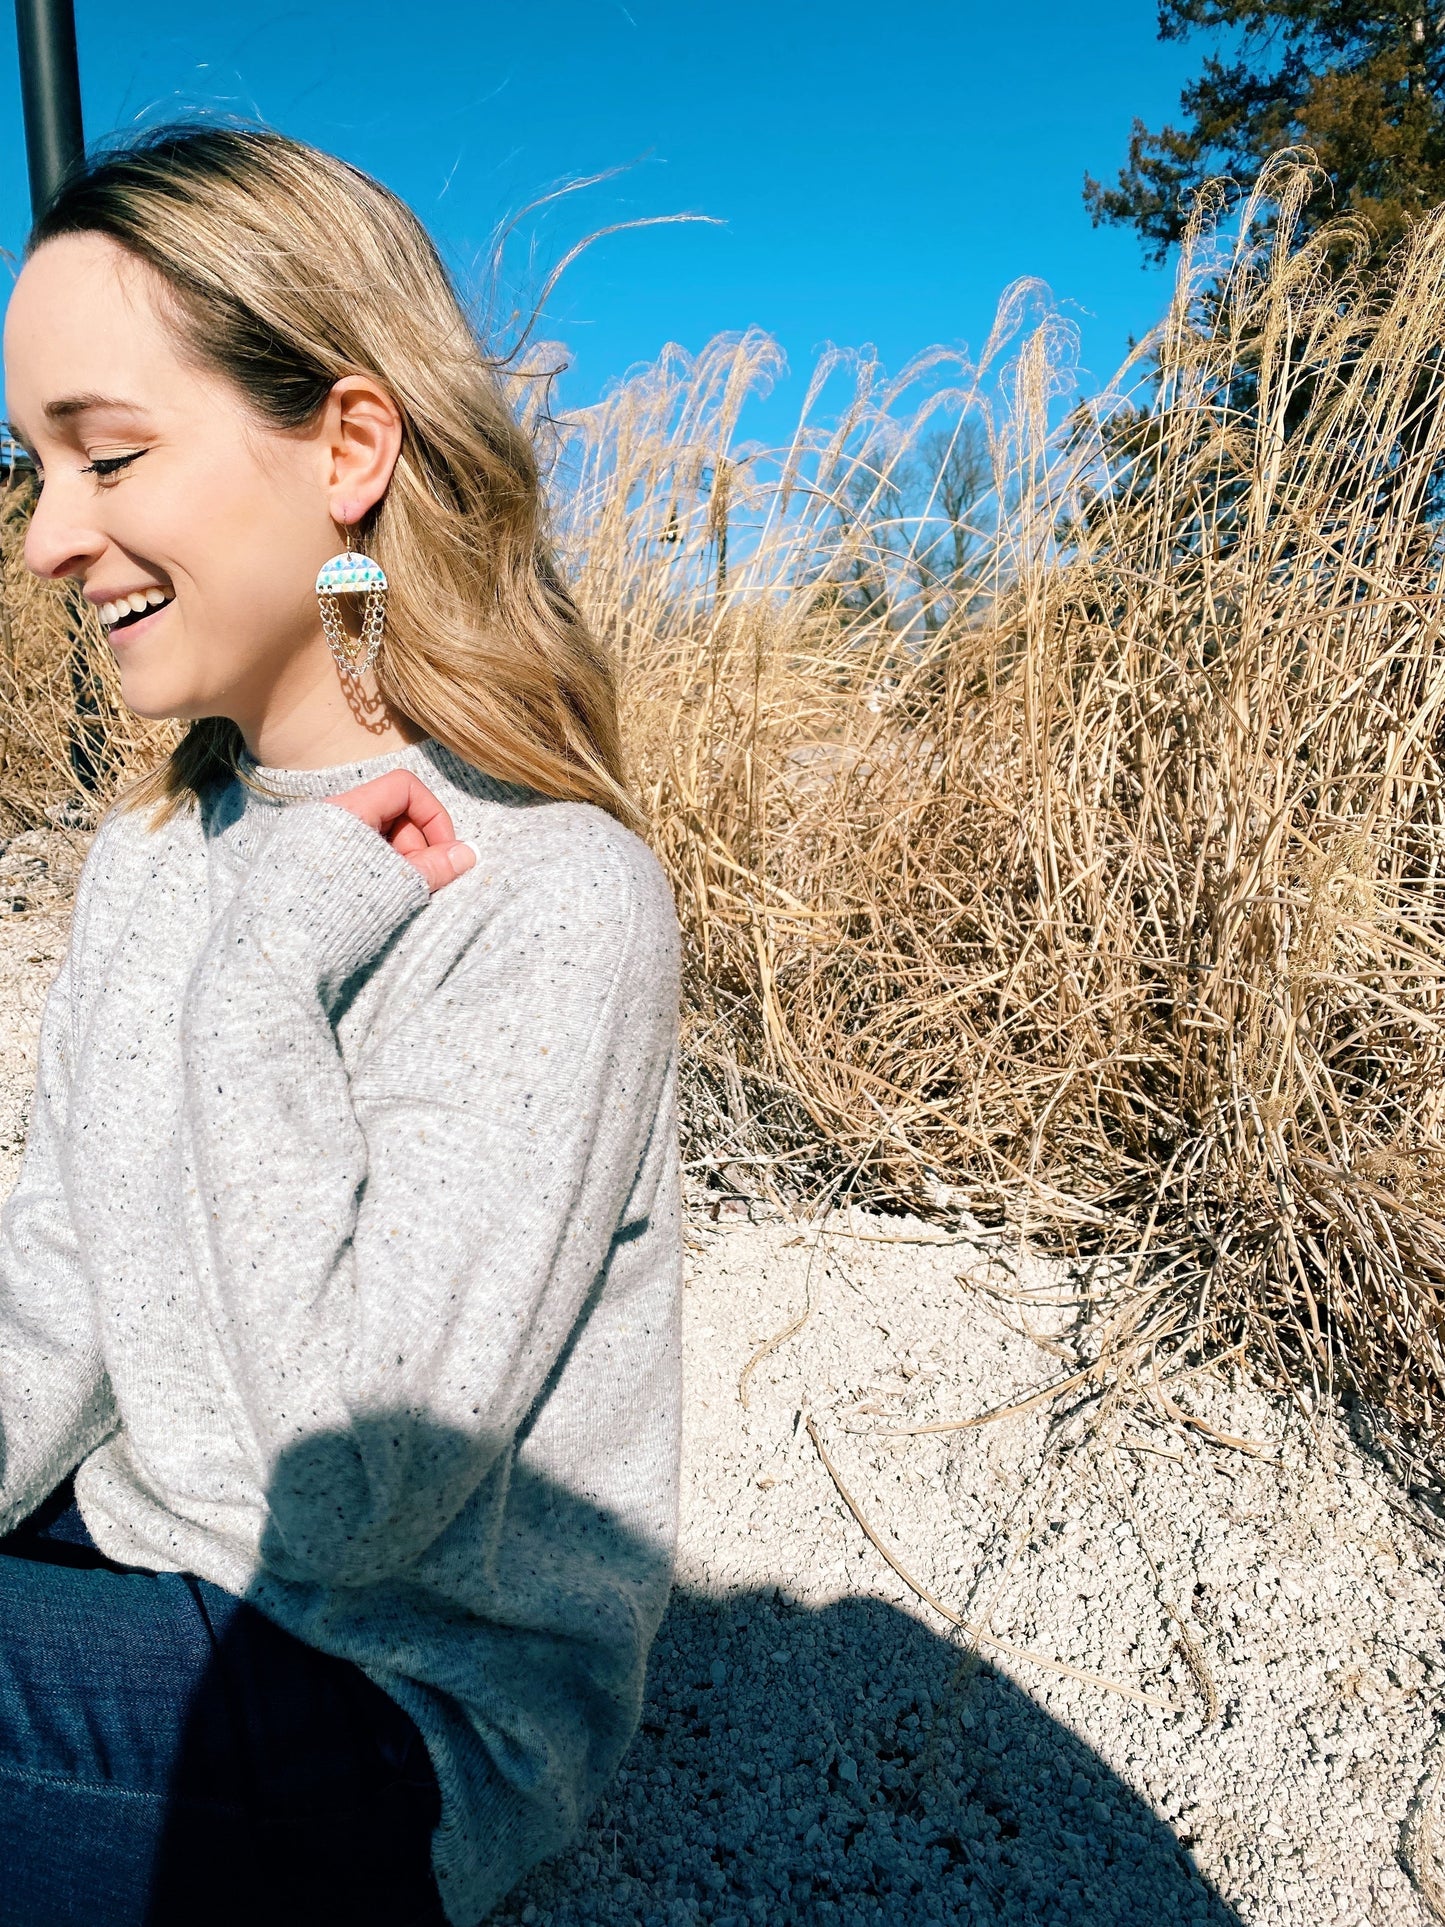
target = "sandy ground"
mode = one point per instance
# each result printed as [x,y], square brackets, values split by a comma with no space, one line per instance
[35,872]
[1256,1740]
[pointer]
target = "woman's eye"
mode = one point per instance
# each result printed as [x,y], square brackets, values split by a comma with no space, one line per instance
[104,465]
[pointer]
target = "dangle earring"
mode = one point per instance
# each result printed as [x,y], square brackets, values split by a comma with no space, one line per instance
[353,573]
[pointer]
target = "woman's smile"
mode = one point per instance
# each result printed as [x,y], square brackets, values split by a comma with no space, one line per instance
[125,615]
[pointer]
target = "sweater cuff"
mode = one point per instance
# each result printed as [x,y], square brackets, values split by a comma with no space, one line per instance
[326,892]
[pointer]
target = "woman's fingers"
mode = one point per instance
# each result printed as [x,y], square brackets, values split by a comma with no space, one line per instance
[406,837]
[424,811]
[400,807]
[443,863]
[398,797]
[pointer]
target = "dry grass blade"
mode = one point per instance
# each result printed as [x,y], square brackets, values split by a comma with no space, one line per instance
[1048,1395]
[979,1634]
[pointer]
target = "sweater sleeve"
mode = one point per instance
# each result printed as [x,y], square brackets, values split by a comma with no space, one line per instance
[55,1398]
[395,1254]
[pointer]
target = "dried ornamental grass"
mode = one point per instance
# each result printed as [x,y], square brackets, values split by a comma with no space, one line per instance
[66,739]
[1114,898]
[1063,839]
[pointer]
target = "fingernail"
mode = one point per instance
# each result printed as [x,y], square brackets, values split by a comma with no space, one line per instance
[464,856]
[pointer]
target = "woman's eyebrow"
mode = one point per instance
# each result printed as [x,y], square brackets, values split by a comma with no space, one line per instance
[66,407]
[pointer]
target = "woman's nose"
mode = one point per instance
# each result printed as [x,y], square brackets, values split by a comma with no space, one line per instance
[59,542]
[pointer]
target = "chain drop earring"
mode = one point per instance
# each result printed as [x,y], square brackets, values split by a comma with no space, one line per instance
[353,573]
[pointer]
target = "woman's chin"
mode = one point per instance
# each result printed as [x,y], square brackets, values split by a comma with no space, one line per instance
[158,698]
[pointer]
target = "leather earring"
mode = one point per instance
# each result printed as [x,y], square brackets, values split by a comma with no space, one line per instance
[353,573]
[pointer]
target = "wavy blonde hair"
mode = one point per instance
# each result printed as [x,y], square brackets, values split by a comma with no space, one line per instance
[287,269]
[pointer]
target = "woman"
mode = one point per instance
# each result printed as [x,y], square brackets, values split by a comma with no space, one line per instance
[342,1273]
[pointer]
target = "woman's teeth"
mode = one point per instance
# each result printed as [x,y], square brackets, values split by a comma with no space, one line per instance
[136,604]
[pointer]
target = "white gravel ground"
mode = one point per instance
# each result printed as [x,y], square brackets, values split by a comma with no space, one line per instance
[820,1746]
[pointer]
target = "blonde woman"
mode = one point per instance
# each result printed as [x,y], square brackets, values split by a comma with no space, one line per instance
[339,1290]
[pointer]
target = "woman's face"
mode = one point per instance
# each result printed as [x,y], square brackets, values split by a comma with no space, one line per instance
[161,485]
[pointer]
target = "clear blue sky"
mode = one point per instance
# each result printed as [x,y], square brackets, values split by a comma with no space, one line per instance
[881,171]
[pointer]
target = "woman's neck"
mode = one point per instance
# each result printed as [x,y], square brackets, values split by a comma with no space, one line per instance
[325,723]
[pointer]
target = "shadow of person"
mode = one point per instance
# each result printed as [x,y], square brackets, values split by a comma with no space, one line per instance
[842,1765]
[834,1765]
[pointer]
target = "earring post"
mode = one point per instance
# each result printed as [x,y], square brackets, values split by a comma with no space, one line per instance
[49,95]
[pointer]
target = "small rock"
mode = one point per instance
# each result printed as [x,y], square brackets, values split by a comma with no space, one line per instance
[719,1673]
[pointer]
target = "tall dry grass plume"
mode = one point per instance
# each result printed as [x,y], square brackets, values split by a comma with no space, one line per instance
[1054,800]
[1098,877]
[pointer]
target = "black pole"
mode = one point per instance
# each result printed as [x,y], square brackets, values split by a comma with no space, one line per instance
[54,144]
[49,93]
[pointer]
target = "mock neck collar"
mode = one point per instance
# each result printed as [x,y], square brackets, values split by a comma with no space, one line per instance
[284,785]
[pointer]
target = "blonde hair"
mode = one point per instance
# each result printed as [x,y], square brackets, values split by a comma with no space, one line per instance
[287,269]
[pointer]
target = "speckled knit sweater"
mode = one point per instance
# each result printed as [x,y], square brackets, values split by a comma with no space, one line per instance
[345,1262]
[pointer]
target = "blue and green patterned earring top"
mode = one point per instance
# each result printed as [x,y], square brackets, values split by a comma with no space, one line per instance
[353,574]
[350,574]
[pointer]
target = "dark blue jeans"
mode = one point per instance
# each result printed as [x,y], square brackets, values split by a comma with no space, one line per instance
[170,1757]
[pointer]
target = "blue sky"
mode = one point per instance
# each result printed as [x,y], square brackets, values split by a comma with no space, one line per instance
[880,172]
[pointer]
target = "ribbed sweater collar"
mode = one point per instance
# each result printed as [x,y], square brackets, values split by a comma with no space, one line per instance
[285,785]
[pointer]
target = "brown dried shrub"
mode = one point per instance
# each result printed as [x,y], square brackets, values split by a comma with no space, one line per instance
[1102,884]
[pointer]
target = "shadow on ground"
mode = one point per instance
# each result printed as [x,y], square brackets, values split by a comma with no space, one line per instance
[833,1766]
[829,1766]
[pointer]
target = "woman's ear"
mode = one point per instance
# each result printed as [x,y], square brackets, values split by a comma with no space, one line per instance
[362,432]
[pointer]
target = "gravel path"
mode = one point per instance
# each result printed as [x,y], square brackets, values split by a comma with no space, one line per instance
[821,1746]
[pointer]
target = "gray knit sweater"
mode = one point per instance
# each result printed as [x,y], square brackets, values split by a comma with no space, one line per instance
[345,1262]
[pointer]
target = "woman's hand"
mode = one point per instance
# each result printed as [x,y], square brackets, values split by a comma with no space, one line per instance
[404,811]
